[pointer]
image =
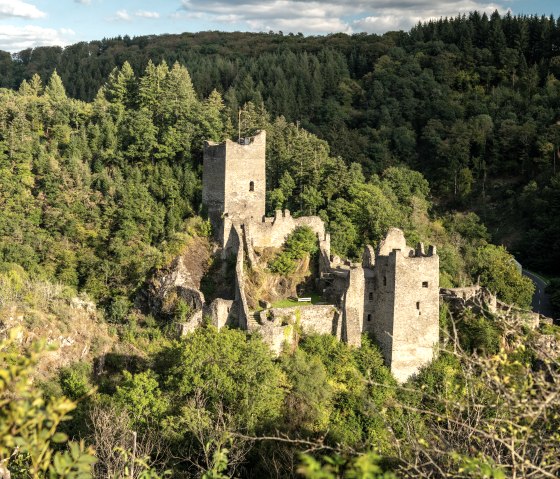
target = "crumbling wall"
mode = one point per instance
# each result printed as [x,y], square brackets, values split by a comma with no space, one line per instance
[393,240]
[220,312]
[272,232]
[240,298]
[475,297]
[281,326]
[311,318]
[353,307]
[480,300]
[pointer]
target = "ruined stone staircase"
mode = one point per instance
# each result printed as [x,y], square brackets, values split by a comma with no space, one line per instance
[253,321]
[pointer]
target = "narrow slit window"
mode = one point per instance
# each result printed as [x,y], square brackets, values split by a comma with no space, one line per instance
[252,186]
[418,305]
[371,296]
[384,280]
[424,284]
[369,317]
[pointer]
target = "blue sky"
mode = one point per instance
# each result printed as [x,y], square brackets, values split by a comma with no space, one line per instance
[29,23]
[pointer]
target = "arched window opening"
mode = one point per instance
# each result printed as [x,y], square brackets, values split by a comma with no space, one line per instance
[252,186]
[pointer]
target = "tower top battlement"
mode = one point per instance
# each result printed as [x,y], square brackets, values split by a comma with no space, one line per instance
[258,139]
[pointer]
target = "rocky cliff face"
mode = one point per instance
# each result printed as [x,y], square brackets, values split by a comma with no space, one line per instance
[71,327]
[181,280]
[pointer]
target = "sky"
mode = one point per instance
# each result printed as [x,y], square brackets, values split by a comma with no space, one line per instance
[31,23]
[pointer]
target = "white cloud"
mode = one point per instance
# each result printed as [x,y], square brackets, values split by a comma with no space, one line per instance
[14,38]
[122,15]
[315,16]
[308,24]
[18,8]
[401,16]
[125,16]
[83,2]
[146,14]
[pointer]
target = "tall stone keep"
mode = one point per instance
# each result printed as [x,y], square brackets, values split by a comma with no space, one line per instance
[401,303]
[234,183]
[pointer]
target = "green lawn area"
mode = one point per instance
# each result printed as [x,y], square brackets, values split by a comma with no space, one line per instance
[289,303]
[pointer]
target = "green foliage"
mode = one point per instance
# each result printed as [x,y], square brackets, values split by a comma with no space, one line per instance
[234,374]
[360,384]
[442,379]
[113,180]
[141,397]
[137,467]
[219,466]
[478,333]
[366,466]
[299,243]
[553,290]
[487,140]
[308,403]
[496,269]
[75,380]
[479,467]
[29,423]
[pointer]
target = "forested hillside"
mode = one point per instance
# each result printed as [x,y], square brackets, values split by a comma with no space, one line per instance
[96,194]
[471,102]
[448,132]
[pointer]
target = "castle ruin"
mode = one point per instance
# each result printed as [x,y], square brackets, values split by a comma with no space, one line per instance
[393,293]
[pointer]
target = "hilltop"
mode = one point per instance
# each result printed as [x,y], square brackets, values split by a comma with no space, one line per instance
[110,249]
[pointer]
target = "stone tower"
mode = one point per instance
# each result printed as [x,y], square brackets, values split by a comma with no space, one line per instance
[401,303]
[234,185]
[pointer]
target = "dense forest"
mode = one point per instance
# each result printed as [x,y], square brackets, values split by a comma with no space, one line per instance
[448,132]
[471,102]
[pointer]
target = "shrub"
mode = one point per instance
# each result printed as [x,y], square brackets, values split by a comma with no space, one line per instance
[299,243]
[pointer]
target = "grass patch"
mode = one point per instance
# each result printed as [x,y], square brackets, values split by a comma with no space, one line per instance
[289,303]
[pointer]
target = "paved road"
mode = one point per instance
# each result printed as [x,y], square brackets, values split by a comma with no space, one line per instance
[541,302]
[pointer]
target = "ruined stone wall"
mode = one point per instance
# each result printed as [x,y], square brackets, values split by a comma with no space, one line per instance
[240,298]
[220,311]
[416,315]
[310,318]
[353,307]
[482,301]
[474,297]
[393,240]
[379,303]
[227,237]
[272,232]
[282,325]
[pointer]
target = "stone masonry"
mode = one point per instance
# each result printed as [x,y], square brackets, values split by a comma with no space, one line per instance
[392,294]
[234,181]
